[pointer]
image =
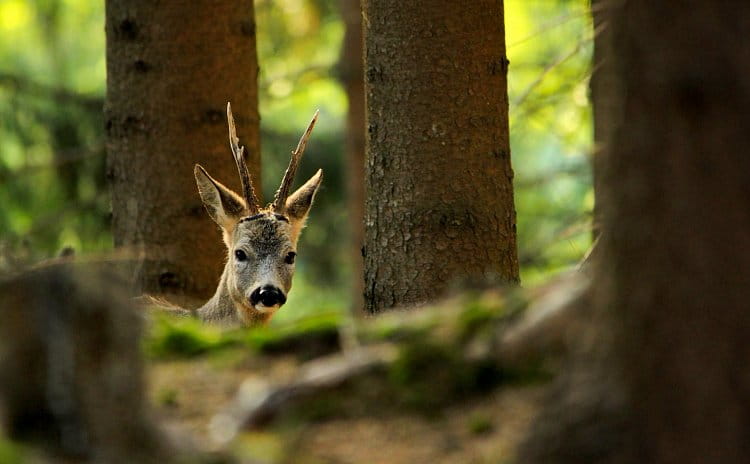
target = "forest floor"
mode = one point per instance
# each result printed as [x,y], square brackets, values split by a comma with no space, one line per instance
[420,386]
[355,424]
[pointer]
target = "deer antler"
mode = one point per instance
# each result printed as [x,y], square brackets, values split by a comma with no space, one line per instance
[279,200]
[248,193]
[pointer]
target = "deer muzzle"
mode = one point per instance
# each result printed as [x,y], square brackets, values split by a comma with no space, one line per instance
[268,296]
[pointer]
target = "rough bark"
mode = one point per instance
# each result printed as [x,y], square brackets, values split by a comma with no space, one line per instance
[351,75]
[439,201]
[171,68]
[677,240]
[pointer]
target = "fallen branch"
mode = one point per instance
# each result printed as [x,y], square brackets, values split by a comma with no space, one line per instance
[258,401]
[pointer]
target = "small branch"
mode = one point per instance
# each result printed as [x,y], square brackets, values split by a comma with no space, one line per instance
[323,69]
[562,59]
[554,174]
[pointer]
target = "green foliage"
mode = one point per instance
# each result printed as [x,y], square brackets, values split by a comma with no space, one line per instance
[51,150]
[549,46]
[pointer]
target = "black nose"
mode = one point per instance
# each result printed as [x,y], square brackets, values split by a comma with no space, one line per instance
[268,295]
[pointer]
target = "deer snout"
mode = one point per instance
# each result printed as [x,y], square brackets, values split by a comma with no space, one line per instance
[267,295]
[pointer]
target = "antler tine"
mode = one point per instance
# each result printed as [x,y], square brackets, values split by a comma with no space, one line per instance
[248,193]
[282,193]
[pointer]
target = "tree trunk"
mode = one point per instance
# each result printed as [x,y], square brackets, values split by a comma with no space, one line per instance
[351,74]
[604,99]
[677,240]
[439,180]
[171,68]
[71,370]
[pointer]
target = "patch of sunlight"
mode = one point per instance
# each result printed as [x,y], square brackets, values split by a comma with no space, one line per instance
[21,220]
[300,17]
[518,27]
[588,200]
[569,120]
[293,111]
[581,93]
[14,15]
[69,238]
[280,88]
[12,153]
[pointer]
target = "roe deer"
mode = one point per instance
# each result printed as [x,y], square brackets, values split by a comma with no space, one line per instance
[261,242]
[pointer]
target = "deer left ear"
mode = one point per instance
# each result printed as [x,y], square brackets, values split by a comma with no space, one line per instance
[298,204]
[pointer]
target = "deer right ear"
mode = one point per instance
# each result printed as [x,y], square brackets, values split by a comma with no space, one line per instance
[223,205]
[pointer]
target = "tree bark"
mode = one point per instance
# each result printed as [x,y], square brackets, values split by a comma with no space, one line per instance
[71,370]
[439,201]
[606,108]
[676,242]
[351,75]
[171,68]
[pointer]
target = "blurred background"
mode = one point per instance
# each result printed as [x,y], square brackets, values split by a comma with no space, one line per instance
[53,190]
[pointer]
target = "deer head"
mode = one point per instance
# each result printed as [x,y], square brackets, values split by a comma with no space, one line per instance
[261,242]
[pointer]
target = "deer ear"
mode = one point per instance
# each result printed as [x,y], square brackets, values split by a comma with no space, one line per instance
[223,205]
[298,204]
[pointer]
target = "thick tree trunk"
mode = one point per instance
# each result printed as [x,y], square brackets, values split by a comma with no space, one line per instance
[171,68]
[676,242]
[439,180]
[352,77]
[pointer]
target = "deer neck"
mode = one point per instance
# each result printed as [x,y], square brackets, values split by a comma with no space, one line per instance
[223,309]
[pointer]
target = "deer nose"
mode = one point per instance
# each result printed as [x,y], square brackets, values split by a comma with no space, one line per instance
[268,295]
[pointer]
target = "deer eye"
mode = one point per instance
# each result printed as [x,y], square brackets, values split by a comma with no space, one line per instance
[289,258]
[240,255]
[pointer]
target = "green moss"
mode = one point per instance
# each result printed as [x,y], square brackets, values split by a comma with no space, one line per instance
[428,375]
[167,397]
[480,424]
[11,453]
[474,317]
[259,446]
[308,337]
[174,338]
